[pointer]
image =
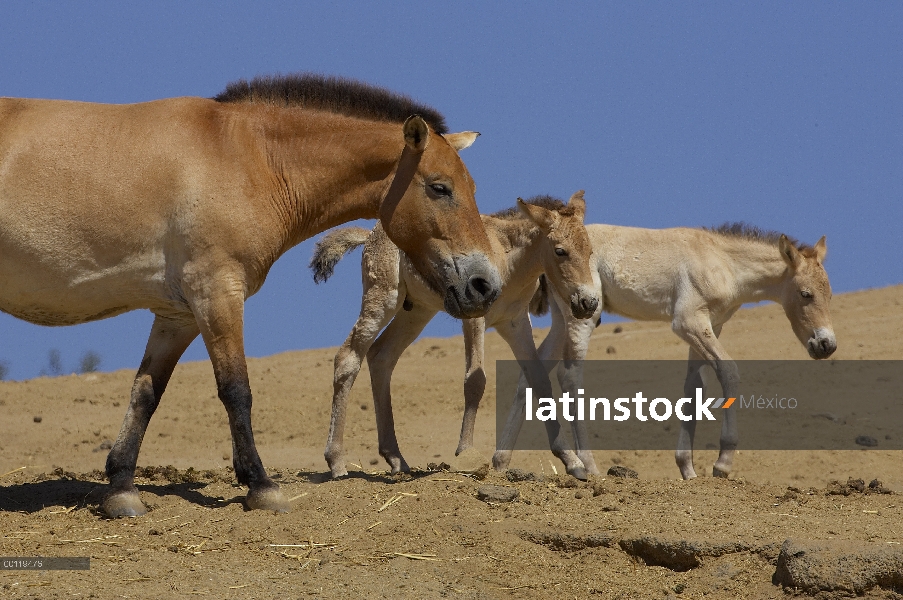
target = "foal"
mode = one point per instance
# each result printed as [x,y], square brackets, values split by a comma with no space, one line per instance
[696,279]
[543,236]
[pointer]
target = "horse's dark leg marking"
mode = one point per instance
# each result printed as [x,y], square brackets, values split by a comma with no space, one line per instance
[165,345]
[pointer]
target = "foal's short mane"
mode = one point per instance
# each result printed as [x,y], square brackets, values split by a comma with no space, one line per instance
[334,94]
[751,232]
[547,202]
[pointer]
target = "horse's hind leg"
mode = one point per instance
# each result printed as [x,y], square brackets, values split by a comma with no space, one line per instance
[382,358]
[377,308]
[168,340]
[684,453]
[474,378]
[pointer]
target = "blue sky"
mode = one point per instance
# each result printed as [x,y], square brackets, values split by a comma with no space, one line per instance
[785,115]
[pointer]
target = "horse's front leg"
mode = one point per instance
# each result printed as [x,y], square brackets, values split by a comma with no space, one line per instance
[382,358]
[519,335]
[684,453]
[219,310]
[168,340]
[474,378]
[703,339]
[570,378]
[377,309]
[549,350]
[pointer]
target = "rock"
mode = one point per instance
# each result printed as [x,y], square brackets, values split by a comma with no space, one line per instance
[678,554]
[497,493]
[618,329]
[471,462]
[866,440]
[568,542]
[611,350]
[621,471]
[515,475]
[838,566]
[38,419]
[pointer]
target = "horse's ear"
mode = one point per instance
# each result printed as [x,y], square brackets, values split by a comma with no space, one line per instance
[544,218]
[789,252]
[462,140]
[821,249]
[416,133]
[578,204]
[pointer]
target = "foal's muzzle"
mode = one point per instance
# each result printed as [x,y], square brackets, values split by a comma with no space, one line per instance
[822,344]
[584,305]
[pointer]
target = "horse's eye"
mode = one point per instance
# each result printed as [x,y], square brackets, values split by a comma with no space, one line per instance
[806,294]
[440,189]
[561,252]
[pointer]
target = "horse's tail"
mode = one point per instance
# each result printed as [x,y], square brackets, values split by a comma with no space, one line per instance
[330,250]
[539,304]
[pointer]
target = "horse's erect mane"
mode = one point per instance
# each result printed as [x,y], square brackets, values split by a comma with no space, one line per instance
[545,201]
[334,94]
[751,232]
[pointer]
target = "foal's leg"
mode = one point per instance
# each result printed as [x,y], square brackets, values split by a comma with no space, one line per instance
[378,307]
[519,335]
[684,453]
[570,378]
[550,349]
[220,315]
[382,358]
[703,339]
[474,378]
[168,340]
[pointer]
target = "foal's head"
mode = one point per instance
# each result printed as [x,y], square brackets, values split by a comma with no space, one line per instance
[806,295]
[430,213]
[566,253]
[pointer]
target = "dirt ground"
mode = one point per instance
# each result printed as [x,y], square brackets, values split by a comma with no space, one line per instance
[426,535]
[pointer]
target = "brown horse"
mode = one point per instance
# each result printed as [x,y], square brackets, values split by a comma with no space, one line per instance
[181,206]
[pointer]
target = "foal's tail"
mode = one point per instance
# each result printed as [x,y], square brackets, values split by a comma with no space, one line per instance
[539,304]
[330,250]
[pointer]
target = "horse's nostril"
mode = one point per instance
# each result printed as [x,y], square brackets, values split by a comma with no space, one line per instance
[480,286]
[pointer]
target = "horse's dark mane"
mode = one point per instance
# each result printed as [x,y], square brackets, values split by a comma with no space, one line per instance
[545,201]
[751,232]
[334,94]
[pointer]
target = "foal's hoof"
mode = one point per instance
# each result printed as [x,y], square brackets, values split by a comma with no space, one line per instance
[269,498]
[123,504]
[578,473]
[716,472]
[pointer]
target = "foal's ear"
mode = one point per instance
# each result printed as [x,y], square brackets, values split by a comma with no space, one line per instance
[416,133]
[462,140]
[821,249]
[789,252]
[544,218]
[578,204]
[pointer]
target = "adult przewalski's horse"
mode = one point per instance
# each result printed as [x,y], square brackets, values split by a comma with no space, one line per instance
[542,235]
[696,279]
[182,205]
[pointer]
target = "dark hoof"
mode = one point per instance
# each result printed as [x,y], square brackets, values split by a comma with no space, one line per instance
[578,473]
[716,472]
[270,498]
[123,504]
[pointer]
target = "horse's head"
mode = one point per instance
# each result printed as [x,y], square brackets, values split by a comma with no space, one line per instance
[806,296]
[565,256]
[430,213]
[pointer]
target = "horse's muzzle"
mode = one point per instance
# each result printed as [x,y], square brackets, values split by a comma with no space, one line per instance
[584,305]
[822,344]
[474,287]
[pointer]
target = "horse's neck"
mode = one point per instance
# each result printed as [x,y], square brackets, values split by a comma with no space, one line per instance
[522,242]
[327,169]
[759,270]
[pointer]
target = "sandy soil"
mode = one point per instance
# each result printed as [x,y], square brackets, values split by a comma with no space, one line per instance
[437,539]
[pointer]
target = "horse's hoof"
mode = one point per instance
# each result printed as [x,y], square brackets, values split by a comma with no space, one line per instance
[500,460]
[123,504]
[716,472]
[269,498]
[339,472]
[578,473]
